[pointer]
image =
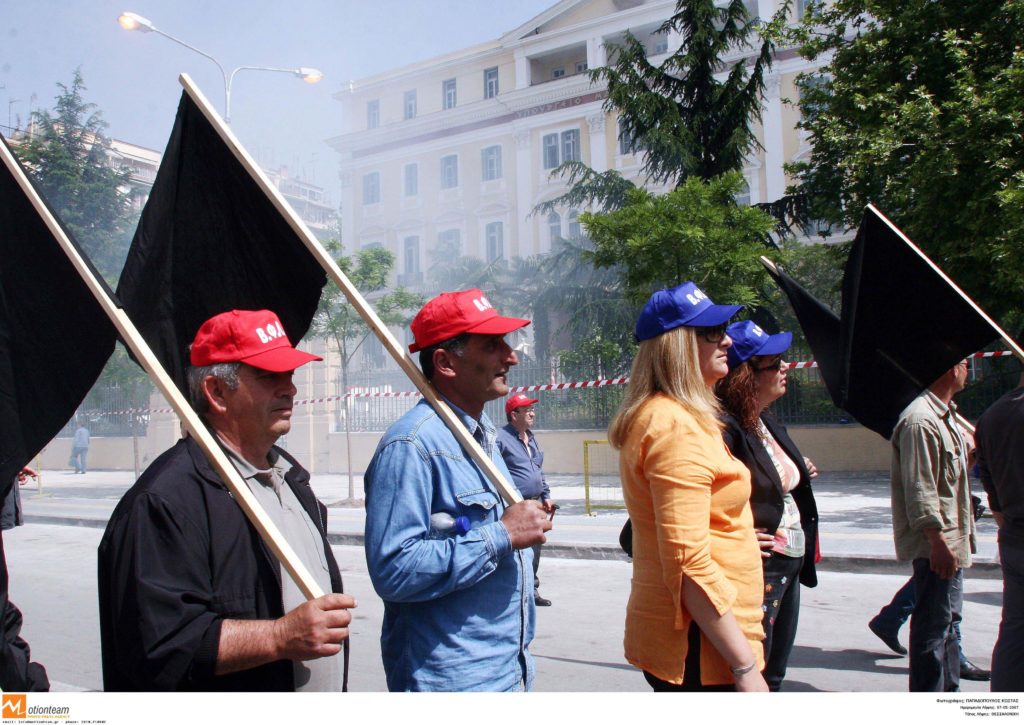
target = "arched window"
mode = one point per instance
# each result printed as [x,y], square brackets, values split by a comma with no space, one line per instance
[554,226]
[575,231]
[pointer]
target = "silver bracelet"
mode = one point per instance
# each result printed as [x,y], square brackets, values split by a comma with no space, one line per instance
[738,671]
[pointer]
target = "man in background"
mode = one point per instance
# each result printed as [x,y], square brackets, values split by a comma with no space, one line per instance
[524,459]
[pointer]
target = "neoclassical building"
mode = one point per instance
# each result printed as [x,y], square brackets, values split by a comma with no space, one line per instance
[458,150]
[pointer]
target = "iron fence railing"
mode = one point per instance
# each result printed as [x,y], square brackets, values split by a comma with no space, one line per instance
[807,401]
[114,411]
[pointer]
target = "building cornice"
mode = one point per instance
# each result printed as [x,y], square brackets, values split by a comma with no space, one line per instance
[514,106]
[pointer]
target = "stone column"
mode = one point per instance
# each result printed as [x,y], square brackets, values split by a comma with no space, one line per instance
[597,57]
[765,9]
[348,213]
[522,70]
[525,171]
[598,150]
[774,151]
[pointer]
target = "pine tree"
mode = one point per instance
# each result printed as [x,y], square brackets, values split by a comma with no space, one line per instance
[67,155]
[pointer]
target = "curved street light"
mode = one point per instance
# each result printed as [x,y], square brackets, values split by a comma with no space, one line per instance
[134,21]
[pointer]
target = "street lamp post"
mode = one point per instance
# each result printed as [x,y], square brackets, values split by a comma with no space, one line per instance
[134,21]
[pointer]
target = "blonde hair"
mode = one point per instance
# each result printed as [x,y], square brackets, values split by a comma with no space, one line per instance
[668,364]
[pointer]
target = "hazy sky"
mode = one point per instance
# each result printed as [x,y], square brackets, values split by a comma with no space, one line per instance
[132,77]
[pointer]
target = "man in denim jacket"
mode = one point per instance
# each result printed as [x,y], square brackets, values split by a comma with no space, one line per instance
[458,593]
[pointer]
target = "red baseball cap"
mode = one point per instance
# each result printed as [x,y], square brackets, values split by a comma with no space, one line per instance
[518,401]
[452,313]
[253,337]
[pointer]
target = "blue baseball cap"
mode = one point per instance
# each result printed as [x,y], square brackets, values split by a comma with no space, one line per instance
[680,306]
[748,340]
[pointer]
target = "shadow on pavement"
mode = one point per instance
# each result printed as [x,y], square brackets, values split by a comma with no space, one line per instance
[609,665]
[854,660]
[994,599]
[789,685]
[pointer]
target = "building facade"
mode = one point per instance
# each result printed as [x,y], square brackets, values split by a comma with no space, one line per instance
[308,200]
[452,155]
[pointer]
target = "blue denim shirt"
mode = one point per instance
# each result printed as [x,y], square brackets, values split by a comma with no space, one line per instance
[458,608]
[524,467]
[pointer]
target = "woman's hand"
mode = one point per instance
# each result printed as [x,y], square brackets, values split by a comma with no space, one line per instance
[812,470]
[752,681]
[765,541]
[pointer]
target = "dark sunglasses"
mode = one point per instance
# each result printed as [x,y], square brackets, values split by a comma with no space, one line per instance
[711,334]
[772,366]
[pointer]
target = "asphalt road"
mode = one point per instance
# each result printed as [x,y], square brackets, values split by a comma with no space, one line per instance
[578,646]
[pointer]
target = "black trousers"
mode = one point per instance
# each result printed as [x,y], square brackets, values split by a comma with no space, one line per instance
[691,680]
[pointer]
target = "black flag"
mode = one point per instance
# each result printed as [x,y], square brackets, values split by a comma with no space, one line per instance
[902,326]
[54,341]
[821,328]
[210,240]
[54,337]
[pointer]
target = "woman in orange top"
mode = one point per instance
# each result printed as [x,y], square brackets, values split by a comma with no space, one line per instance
[693,621]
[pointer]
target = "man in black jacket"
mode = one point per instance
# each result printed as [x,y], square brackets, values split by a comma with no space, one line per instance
[190,596]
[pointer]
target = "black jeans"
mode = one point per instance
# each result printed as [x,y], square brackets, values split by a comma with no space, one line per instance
[781,613]
[934,652]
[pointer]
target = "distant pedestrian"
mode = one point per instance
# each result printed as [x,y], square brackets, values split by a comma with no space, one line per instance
[1000,438]
[524,458]
[79,449]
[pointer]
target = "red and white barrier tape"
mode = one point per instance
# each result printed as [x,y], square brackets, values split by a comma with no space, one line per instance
[519,389]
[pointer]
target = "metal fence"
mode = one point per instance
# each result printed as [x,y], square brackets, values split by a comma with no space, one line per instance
[601,484]
[113,411]
[582,409]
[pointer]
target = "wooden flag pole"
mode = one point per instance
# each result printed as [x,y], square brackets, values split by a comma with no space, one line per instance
[137,344]
[508,491]
[769,264]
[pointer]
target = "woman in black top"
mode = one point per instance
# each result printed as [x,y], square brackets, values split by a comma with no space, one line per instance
[785,515]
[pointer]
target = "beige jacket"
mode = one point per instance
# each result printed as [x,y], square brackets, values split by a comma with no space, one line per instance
[930,488]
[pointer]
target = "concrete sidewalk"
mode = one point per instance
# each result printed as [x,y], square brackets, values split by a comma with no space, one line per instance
[854,511]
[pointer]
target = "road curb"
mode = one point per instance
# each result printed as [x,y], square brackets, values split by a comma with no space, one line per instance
[854,563]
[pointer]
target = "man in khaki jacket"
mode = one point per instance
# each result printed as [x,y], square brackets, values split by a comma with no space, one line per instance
[933,526]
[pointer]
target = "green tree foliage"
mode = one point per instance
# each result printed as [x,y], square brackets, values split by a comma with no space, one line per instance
[337,321]
[696,232]
[692,117]
[921,112]
[689,122]
[67,156]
